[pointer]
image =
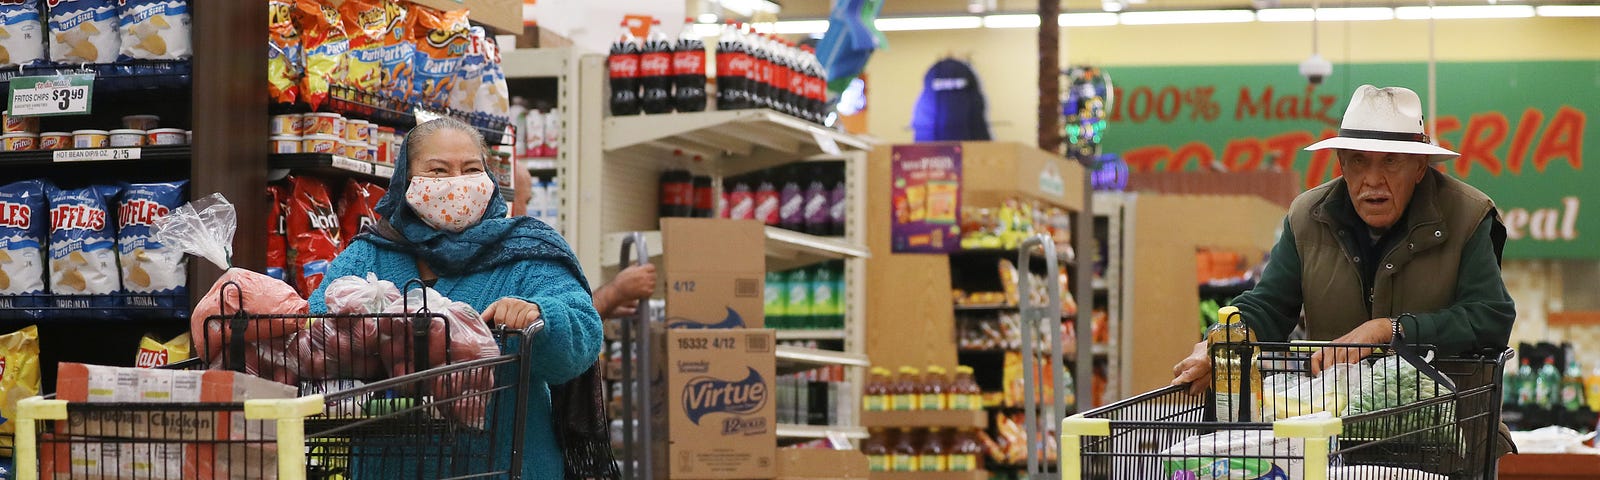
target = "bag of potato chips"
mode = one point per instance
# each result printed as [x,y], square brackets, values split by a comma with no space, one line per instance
[323,37]
[442,39]
[469,74]
[398,53]
[155,353]
[83,247]
[24,230]
[19,378]
[154,30]
[285,58]
[366,22]
[148,267]
[83,31]
[21,33]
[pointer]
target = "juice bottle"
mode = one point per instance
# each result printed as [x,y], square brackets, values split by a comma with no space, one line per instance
[799,298]
[1592,386]
[964,452]
[876,448]
[777,300]
[904,456]
[904,390]
[1230,365]
[933,456]
[964,392]
[875,395]
[935,391]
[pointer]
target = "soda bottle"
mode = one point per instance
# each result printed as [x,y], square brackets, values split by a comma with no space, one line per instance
[655,71]
[1231,367]
[876,448]
[823,297]
[1547,384]
[741,202]
[760,71]
[1525,385]
[839,309]
[766,197]
[677,190]
[1508,389]
[932,455]
[796,81]
[791,202]
[904,390]
[814,86]
[781,100]
[817,211]
[903,456]
[935,391]
[799,298]
[964,391]
[836,205]
[733,66]
[875,394]
[965,452]
[689,70]
[777,294]
[705,197]
[623,64]
[1572,386]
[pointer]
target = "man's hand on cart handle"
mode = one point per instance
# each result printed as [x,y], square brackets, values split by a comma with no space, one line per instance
[512,313]
[1194,370]
[1375,331]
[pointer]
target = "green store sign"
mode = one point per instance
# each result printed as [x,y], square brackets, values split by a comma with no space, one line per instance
[1520,128]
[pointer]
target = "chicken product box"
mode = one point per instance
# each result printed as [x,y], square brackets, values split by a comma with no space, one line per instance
[122,460]
[721,422]
[76,382]
[715,270]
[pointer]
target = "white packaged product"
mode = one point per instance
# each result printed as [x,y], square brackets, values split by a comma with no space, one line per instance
[533,133]
[84,31]
[552,133]
[83,245]
[21,33]
[154,30]
[24,227]
[148,266]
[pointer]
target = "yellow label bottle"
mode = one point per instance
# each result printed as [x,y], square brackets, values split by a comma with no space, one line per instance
[933,454]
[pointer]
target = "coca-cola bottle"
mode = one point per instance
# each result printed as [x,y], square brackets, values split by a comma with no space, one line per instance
[816,85]
[655,71]
[784,76]
[760,72]
[733,68]
[624,66]
[689,71]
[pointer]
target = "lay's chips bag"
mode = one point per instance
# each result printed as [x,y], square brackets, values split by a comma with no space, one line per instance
[83,247]
[323,36]
[24,228]
[442,40]
[84,31]
[19,378]
[366,22]
[22,33]
[149,267]
[154,29]
[285,58]
[155,353]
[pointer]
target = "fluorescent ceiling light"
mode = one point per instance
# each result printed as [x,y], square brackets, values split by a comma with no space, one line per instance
[1187,16]
[1325,14]
[1087,19]
[1464,12]
[927,23]
[1011,21]
[707,29]
[749,7]
[1568,11]
[797,27]
[708,18]
[1112,5]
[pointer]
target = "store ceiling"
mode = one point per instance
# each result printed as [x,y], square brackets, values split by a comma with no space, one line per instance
[810,9]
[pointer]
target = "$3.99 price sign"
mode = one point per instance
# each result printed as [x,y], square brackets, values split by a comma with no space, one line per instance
[51,95]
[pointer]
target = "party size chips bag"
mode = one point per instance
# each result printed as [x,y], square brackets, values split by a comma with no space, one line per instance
[24,229]
[154,30]
[84,31]
[323,36]
[469,73]
[83,247]
[277,233]
[366,22]
[442,39]
[313,233]
[398,52]
[149,267]
[21,33]
[19,378]
[285,57]
[357,207]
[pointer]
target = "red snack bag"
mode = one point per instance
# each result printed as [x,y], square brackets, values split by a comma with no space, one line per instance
[442,40]
[356,207]
[313,233]
[323,37]
[277,244]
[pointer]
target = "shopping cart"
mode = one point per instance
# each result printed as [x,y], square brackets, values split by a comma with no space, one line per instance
[1371,420]
[446,422]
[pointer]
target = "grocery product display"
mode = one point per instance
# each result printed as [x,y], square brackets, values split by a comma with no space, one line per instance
[808,198]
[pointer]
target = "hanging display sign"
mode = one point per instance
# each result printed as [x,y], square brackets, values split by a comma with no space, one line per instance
[51,95]
[1520,128]
[927,198]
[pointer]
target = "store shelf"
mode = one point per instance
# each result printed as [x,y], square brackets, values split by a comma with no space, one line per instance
[92,309]
[795,359]
[1098,349]
[1064,255]
[986,308]
[926,418]
[732,141]
[157,154]
[785,430]
[786,249]
[969,475]
[797,334]
[539,164]
[332,165]
[132,76]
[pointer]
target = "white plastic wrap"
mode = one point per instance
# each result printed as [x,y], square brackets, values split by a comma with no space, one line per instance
[203,228]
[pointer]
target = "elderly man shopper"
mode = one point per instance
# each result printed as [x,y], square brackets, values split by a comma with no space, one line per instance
[1392,245]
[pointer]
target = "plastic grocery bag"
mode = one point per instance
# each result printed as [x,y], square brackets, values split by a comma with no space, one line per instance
[461,336]
[344,348]
[1291,394]
[205,228]
[1241,454]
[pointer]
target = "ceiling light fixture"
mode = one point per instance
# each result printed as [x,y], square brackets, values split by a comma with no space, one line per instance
[927,23]
[1011,21]
[1174,17]
[1460,12]
[1325,14]
[1568,10]
[1087,19]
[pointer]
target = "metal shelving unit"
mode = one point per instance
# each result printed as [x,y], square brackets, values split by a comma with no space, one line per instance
[786,249]
[1116,281]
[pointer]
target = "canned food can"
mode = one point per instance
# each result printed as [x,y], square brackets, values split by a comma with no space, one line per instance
[91,139]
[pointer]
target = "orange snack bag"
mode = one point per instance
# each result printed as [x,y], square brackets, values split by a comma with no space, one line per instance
[323,36]
[442,40]
[366,22]
[398,52]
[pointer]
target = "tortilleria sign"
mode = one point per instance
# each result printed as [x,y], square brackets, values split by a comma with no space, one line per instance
[1520,128]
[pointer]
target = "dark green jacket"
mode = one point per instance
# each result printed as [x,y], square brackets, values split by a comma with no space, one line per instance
[1325,262]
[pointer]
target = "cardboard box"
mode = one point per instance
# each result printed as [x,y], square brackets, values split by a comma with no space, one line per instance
[821,464]
[721,421]
[76,382]
[992,172]
[715,272]
[91,459]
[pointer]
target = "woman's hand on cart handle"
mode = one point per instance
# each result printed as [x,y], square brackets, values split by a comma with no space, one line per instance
[1194,370]
[512,313]
[1375,331]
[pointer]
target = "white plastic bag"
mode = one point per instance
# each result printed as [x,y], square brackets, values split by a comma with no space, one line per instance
[203,228]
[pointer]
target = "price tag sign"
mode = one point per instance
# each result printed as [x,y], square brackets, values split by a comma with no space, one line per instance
[424,115]
[52,95]
[384,171]
[825,141]
[351,164]
[96,155]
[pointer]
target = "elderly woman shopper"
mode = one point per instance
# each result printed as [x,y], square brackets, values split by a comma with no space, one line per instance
[450,230]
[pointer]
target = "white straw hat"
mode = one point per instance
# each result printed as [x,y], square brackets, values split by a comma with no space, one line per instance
[1385,119]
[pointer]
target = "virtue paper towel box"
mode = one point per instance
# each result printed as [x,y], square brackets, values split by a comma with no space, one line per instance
[715,271]
[78,382]
[720,415]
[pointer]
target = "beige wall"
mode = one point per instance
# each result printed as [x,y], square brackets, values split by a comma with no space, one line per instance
[1006,59]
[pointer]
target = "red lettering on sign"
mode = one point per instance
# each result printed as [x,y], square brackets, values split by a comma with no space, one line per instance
[1287,107]
[1139,111]
[1317,172]
[1249,147]
[1564,138]
[1143,159]
[1199,151]
[1447,124]
[1246,105]
[1526,128]
[1284,146]
[1116,105]
[1169,95]
[1485,131]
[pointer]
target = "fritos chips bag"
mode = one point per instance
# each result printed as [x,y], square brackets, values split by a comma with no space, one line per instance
[19,377]
[155,353]
[313,233]
[277,241]
[442,39]
[356,207]
[366,22]
[285,58]
[324,39]
[398,52]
